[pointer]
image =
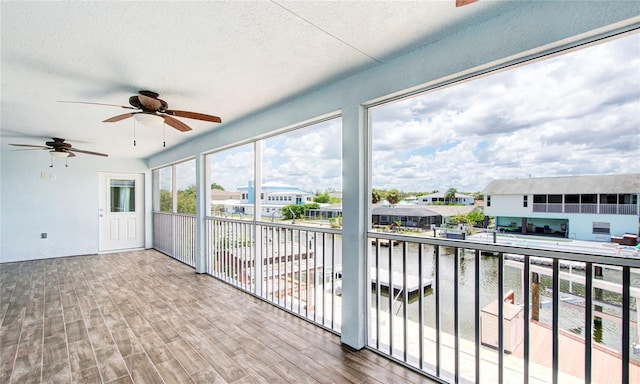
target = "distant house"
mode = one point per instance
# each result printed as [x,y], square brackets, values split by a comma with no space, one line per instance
[408,216]
[439,198]
[580,207]
[273,196]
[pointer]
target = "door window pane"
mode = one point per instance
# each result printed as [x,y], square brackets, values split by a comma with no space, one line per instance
[123,196]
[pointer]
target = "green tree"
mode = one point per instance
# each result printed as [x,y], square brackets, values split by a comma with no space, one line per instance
[217,186]
[377,195]
[297,211]
[166,201]
[394,196]
[476,216]
[187,200]
[322,198]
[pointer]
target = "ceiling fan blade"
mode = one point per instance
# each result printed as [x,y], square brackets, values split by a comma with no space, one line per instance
[86,102]
[88,152]
[30,146]
[460,3]
[118,118]
[177,124]
[71,154]
[194,115]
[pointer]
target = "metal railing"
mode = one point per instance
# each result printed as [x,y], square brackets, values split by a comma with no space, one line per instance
[435,305]
[175,235]
[294,267]
[613,209]
[619,209]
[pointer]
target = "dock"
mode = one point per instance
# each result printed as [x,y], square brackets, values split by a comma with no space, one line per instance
[384,242]
[413,282]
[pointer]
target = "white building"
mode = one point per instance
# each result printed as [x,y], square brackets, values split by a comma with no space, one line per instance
[439,197]
[580,207]
[273,196]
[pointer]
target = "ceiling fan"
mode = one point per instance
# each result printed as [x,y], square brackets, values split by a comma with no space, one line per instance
[149,106]
[58,148]
[460,3]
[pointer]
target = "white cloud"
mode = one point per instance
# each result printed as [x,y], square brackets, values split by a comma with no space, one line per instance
[577,113]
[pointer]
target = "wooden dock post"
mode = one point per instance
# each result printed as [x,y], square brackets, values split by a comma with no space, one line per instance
[535,296]
[597,320]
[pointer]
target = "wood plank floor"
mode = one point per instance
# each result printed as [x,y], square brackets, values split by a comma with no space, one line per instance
[142,317]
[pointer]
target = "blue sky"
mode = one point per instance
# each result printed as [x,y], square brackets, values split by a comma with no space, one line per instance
[573,114]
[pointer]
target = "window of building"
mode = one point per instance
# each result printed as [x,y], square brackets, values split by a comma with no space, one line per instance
[232,170]
[186,187]
[609,199]
[175,188]
[488,201]
[589,199]
[309,158]
[572,199]
[539,199]
[525,202]
[122,193]
[163,190]
[601,227]
[555,199]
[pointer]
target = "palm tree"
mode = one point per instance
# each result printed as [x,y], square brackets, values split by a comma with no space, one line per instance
[450,195]
[394,196]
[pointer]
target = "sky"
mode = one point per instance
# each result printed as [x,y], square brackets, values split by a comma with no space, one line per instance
[572,114]
[309,158]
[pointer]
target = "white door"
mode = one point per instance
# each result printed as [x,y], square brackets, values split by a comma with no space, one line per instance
[121,211]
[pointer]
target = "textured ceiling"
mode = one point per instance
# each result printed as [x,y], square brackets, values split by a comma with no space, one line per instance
[229,59]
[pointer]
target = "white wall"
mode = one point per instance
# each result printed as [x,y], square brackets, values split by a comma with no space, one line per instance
[508,205]
[64,204]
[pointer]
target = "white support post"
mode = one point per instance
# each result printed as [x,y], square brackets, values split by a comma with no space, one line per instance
[354,230]
[257,150]
[203,197]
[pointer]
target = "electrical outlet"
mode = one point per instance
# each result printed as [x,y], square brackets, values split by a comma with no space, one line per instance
[43,235]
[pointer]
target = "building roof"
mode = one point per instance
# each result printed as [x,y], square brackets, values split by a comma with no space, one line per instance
[405,210]
[621,183]
[443,194]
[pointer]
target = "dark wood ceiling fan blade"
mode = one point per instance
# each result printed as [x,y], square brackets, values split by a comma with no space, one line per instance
[460,3]
[30,146]
[87,102]
[88,152]
[118,118]
[194,115]
[177,124]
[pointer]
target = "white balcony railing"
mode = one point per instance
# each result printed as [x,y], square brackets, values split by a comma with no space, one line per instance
[175,235]
[434,303]
[612,209]
[290,266]
[619,209]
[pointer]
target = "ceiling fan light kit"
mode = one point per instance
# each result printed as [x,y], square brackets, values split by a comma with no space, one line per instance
[55,153]
[149,119]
